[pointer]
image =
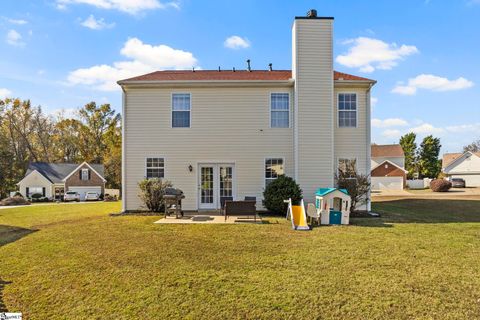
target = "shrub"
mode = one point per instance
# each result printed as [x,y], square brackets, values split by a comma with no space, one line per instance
[279,190]
[36,196]
[14,201]
[440,185]
[152,192]
[357,185]
[109,198]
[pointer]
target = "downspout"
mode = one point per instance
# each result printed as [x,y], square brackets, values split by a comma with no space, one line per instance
[124,199]
[369,142]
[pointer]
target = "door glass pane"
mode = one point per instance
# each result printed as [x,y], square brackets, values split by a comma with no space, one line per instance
[206,185]
[226,177]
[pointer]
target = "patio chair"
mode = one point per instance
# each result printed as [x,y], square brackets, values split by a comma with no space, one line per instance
[240,208]
[222,202]
[312,213]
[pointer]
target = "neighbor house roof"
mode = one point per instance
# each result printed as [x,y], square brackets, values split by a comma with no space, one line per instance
[229,75]
[387,150]
[448,158]
[56,172]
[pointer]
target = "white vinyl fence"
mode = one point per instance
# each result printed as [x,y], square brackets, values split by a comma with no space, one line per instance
[419,183]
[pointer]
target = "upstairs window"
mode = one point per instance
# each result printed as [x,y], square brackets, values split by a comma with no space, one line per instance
[273,168]
[155,168]
[347,110]
[279,110]
[181,110]
[85,175]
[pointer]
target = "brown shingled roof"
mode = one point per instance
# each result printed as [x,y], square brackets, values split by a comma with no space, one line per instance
[225,75]
[448,158]
[387,150]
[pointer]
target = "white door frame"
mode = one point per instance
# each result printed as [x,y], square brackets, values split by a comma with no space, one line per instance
[216,183]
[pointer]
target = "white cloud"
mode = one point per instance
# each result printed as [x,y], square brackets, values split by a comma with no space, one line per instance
[368,54]
[14,38]
[391,122]
[236,42]
[4,93]
[475,127]
[17,21]
[433,83]
[426,129]
[128,6]
[65,113]
[144,58]
[392,133]
[96,24]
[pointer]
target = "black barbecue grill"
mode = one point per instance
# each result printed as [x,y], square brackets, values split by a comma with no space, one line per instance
[173,201]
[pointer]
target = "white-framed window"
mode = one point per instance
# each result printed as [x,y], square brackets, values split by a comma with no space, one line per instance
[155,168]
[273,168]
[181,110]
[347,110]
[35,190]
[348,166]
[279,110]
[85,174]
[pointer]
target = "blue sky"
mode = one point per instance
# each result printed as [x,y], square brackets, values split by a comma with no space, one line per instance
[424,54]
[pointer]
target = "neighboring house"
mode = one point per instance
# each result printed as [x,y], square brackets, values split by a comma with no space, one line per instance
[52,180]
[463,165]
[218,134]
[388,167]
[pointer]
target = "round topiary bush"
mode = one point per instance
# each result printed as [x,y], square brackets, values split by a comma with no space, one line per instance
[440,185]
[279,190]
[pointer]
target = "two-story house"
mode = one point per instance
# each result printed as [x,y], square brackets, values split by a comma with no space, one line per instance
[221,133]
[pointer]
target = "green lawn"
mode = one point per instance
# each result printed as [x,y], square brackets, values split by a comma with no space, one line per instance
[420,260]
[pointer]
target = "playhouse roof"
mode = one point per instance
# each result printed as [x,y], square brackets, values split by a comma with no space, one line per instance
[324,191]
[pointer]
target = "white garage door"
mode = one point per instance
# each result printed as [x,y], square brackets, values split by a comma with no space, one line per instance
[83,190]
[471,180]
[387,183]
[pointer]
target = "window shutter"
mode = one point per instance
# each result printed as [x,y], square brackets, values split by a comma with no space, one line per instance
[43,191]
[26,191]
[80,174]
[89,175]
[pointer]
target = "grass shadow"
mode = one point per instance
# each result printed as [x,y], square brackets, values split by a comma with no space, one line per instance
[428,210]
[10,234]
[3,307]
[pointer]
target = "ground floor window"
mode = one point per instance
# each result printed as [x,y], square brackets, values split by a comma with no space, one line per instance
[155,168]
[273,168]
[35,190]
[347,166]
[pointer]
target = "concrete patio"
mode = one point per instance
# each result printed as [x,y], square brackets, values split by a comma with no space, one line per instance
[208,218]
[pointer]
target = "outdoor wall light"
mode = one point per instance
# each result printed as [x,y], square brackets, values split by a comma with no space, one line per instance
[190,168]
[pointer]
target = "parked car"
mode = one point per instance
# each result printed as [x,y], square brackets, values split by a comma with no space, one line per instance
[458,183]
[92,196]
[71,196]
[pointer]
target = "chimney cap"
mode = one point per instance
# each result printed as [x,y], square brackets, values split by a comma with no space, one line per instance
[312,13]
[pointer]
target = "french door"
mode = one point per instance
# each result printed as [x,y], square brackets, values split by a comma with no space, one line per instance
[216,184]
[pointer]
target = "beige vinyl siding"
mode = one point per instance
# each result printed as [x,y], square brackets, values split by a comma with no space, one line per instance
[35,179]
[399,161]
[353,142]
[228,125]
[464,165]
[313,73]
